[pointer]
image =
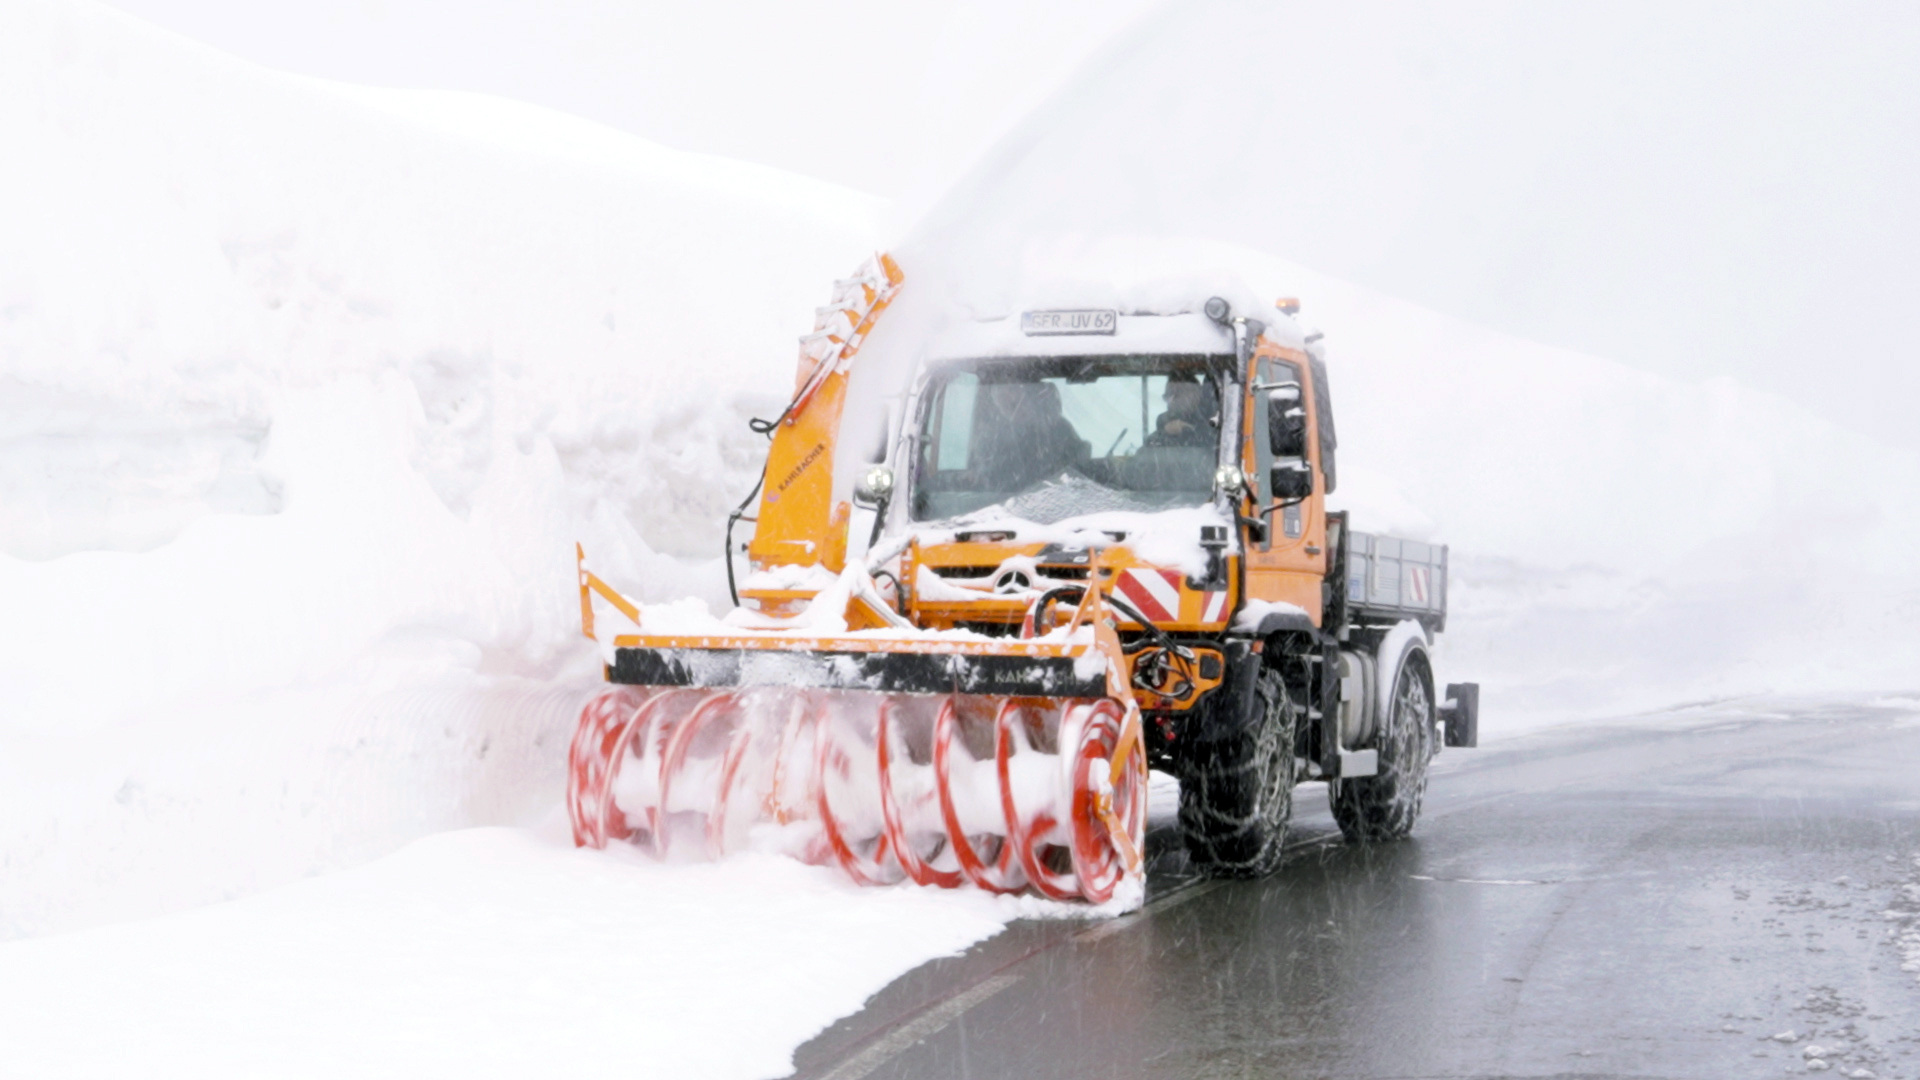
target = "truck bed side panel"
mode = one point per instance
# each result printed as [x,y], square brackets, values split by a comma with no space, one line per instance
[1390,579]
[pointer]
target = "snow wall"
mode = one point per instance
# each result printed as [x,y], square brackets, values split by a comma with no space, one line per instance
[1620,540]
[306,393]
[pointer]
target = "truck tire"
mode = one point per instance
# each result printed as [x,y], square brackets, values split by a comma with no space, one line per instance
[1236,789]
[1383,807]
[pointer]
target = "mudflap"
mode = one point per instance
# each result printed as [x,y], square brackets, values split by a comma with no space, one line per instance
[1460,713]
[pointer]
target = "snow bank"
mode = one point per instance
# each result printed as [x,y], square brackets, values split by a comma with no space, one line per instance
[1620,539]
[305,394]
[482,953]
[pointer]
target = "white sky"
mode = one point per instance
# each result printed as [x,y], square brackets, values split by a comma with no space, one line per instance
[1698,189]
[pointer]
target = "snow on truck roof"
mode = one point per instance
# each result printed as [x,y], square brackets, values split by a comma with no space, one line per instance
[1096,331]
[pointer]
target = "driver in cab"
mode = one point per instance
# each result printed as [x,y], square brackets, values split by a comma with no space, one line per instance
[1021,436]
[1189,418]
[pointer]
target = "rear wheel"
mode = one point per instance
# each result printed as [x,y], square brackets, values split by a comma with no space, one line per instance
[1383,806]
[1236,789]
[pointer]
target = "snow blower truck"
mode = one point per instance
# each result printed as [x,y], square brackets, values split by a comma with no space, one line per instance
[1093,540]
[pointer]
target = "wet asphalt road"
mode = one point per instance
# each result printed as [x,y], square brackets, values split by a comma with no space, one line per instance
[1715,892]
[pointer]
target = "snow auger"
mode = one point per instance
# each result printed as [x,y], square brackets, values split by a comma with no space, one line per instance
[1053,591]
[1008,766]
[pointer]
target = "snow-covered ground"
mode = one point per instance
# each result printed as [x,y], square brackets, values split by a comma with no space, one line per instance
[306,392]
[482,952]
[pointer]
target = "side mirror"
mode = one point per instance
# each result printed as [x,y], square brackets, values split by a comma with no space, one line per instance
[1290,480]
[875,486]
[1286,422]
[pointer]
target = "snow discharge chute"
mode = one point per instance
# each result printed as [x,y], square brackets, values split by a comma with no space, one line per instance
[857,737]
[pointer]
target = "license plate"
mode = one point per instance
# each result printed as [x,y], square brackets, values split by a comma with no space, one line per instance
[1081,321]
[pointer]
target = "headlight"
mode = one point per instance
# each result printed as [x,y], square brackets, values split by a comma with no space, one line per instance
[875,486]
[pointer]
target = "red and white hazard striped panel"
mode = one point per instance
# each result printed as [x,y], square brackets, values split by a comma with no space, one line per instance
[1417,585]
[1155,592]
[1216,606]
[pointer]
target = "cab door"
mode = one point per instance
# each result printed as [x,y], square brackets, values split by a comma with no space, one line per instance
[1289,562]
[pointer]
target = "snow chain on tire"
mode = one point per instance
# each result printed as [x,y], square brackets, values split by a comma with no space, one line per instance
[1236,790]
[1383,806]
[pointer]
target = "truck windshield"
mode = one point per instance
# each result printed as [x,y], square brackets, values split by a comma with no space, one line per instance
[1045,440]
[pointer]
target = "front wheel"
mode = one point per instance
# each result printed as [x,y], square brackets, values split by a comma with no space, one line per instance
[1236,787]
[1383,806]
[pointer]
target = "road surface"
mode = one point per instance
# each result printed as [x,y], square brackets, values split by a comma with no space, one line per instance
[1727,890]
